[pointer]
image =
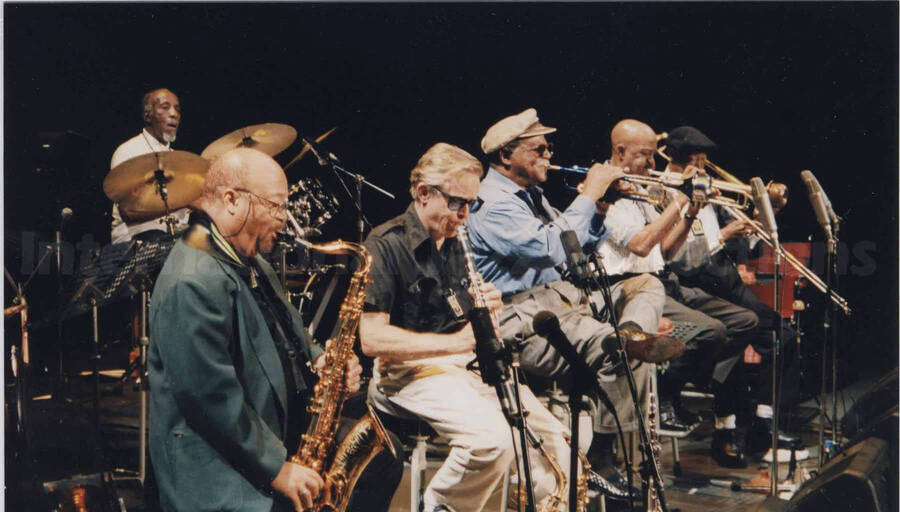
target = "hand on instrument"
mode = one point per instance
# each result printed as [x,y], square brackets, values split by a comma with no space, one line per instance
[747,276]
[299,483]
[493,297]
[599,178]
[737,228]
[353,370]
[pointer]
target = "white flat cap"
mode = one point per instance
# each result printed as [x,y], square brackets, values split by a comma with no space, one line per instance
[519,126]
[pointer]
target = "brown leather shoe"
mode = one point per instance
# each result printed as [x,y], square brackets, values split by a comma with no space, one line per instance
[650,348]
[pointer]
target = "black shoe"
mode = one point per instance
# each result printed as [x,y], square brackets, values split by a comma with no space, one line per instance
[613,486]
[685,415]
[650,348]
[759,437]
[671,425]
[728,448]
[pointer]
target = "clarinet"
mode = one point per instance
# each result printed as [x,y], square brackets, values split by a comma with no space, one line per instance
[493,358]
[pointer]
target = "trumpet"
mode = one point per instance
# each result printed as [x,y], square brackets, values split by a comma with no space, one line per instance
[655,194]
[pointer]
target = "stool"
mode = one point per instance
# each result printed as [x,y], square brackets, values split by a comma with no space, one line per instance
[420,432]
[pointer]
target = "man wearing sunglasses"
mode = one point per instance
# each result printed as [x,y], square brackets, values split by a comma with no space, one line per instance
[414,323]
[516,240]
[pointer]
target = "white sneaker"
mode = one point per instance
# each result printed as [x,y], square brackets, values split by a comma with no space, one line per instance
[784,455]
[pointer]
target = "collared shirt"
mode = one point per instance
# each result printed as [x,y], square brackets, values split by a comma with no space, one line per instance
[624,220]
[703,240]
[513,248]
[140,144]
[423,288]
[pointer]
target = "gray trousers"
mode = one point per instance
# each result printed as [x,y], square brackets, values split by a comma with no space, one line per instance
[727,329]
[638,299]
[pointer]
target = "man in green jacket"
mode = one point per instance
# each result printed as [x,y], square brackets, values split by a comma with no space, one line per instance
[230,362]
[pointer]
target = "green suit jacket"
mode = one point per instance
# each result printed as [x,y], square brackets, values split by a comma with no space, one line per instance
[218,399]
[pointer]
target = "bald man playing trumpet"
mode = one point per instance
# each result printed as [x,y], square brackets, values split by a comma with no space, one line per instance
[643,240]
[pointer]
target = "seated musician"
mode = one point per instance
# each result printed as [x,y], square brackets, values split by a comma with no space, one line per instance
[414,323]
[642,239]
[516,240]
[161,114]
[706,264]
[228,359]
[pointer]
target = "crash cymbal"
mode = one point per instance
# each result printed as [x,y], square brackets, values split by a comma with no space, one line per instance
[306,147]
[133,183]
[270,138]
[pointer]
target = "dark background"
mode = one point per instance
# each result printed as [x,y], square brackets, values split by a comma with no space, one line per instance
[780,87]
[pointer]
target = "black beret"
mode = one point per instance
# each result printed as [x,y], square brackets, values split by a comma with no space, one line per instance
[689,139]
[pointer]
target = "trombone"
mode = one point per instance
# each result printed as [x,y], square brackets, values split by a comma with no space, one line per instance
[780,192]
[714,190]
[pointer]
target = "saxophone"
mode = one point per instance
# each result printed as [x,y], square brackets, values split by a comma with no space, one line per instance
[340,466]
[556,501]
[653,500]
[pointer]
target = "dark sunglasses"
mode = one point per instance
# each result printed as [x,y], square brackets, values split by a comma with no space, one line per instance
[543,148]
[455,203]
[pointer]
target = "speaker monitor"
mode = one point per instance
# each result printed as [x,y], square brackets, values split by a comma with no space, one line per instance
[855,480]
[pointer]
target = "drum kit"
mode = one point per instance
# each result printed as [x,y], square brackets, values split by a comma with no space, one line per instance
[153,186]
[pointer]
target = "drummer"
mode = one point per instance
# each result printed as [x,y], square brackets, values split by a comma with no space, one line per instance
[161,113]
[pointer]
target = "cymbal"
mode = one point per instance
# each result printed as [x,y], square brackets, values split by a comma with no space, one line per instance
[306,147]
[133,184]
[270,138]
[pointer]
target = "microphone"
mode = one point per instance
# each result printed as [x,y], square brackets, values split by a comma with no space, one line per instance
[575,257]
[546,325]
[65,215]
[831,215]
[817,200]
[764,206]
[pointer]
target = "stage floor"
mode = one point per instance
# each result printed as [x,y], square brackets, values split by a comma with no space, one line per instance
[66,444]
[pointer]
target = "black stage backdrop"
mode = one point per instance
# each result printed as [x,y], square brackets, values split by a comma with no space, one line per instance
[781,87]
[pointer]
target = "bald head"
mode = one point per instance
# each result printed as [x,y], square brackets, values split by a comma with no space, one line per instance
[633,145]
[243,194]
[630,130]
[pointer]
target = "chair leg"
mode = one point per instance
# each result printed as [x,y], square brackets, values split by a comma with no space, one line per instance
[417,465]
[504,492]
[676,466]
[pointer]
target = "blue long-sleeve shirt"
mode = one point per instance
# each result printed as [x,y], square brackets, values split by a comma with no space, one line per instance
[513,248]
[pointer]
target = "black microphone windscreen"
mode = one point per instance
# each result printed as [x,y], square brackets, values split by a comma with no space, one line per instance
[544,323]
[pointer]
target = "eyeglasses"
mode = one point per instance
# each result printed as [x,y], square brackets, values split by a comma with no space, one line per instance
[274,208]
[543,148]
[455,203]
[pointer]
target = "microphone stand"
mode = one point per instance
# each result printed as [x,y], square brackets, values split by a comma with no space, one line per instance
[599,279]
[829,335]
[777,336]
[329,160]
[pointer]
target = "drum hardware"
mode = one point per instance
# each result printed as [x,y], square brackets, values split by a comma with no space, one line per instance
[150,186]
[306,147]
[269,138]
[330,160]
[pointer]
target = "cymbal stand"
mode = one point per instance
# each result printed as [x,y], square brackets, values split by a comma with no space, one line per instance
[159,176]
[325,158]
[20,361]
